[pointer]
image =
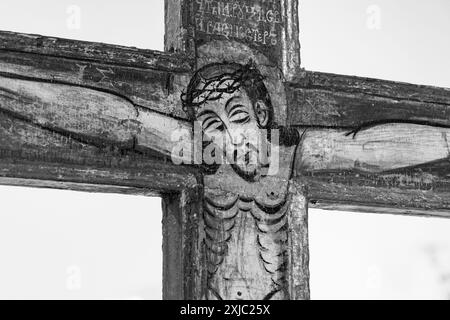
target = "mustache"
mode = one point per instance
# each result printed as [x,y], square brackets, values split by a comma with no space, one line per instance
[243,152]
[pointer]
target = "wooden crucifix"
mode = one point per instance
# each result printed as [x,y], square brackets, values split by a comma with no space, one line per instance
[102,118]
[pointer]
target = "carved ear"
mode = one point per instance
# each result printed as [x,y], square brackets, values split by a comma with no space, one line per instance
[262,113]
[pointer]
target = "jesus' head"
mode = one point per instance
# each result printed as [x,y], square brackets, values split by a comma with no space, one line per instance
[232,104]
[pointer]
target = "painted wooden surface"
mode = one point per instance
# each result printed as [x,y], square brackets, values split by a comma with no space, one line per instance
[267,27]
[93,52]
[143,80]
[60,114]
[98,118]
[322,100]
[147,79]
[254,233]
[298,242]
[372,143]
[183,273]
[81,113]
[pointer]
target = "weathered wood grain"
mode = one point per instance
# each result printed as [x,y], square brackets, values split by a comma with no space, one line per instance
[298,242]
[379,149]
[33,110]
[182,257]
[54,130]
[254,230]
[94,52]
[149,176]
[264,28]
[419,190]
[148,79]
[328,100]
[372,144]
[95,117]
[82,187]
[99,118]
[325,194]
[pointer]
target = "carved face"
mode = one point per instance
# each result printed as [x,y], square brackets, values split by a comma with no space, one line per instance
[234,122]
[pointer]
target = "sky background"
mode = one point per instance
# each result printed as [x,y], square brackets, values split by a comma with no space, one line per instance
[63,244]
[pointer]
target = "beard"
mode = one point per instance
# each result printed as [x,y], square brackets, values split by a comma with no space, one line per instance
[248,174]
[245,161]
[248,165]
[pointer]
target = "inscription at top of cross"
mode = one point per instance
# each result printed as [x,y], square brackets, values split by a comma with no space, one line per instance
[244,20]
[265,27]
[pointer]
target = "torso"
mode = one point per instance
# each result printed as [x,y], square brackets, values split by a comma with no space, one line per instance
[246,235]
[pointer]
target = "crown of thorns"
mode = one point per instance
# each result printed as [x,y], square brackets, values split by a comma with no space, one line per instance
[209,88]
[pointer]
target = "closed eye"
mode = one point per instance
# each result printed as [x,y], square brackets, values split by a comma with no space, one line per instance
[238,114]
[211,122]
[211,125]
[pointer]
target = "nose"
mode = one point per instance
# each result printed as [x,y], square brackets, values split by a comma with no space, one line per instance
[237,137]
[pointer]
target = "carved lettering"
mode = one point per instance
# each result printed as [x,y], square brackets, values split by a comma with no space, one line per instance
[258,24]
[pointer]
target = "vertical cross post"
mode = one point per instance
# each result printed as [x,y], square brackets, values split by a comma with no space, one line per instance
[182,265]
[252,234]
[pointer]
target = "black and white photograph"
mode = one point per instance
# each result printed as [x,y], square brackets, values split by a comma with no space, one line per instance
[196,150]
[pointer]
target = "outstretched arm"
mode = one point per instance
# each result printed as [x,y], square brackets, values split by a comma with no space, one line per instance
[374,148]
[67,114]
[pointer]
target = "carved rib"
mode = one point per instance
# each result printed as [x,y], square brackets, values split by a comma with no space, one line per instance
[272,240]
[219,222]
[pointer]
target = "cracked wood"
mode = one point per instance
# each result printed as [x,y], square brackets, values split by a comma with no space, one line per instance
[70,117]
[372,143]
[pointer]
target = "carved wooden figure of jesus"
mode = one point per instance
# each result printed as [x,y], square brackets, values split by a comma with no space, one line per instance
[246,209]
[246,204]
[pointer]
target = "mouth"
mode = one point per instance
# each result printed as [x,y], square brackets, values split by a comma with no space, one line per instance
[247,158]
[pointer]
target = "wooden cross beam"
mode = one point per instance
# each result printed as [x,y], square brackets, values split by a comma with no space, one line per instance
[101,118]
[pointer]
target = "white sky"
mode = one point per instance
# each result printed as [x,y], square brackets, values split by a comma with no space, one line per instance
[64,244]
